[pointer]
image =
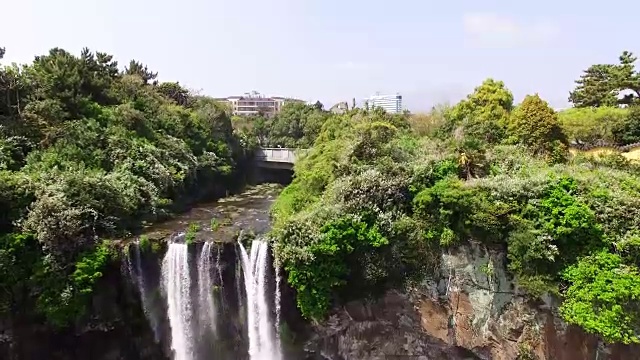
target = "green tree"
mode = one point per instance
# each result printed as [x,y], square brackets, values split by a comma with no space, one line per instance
[175,92]
[596,87]
[602,84]
[297,125]
[136,68]
[593,125]
[627,78]
[535,124]
[88,152]
[604,297]
[629,131]
[484,113]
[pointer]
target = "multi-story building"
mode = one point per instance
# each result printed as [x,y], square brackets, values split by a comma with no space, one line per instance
[390,103]
[254,103]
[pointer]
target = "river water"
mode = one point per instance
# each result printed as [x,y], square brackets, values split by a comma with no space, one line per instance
[224,219]
[205,294]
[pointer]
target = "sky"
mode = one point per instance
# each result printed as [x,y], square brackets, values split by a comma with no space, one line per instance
[429,51]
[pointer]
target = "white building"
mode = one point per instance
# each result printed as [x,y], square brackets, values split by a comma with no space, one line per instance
[254,103]
[390,103]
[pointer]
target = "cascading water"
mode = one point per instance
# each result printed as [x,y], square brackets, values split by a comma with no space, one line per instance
[262,344]
[277,302]
[206,305]
[211,296]
[134,266]
[176,283]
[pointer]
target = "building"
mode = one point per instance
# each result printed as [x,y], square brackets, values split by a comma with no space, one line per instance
[254,103]
[390,103]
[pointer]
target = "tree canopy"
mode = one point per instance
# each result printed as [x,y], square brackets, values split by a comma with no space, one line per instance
[90,151]
[535,125]
[378,197]
[608,84]
[485,112]
[605,101]
[296,125]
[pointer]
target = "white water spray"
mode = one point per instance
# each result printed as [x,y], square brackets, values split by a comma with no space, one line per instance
[206,303]
[134,267]
[176,284]
[262,345]
[218,269]
[277,302]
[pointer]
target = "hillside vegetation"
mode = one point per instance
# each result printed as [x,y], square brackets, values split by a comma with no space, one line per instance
[379,197]
[88,151]
[296,126]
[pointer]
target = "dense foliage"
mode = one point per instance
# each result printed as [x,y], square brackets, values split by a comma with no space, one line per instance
[597,118]
[89,151]
[296,126]
[379,197]
[608,84]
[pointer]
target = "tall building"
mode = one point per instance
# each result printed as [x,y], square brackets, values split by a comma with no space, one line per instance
[390,103]
[254,103]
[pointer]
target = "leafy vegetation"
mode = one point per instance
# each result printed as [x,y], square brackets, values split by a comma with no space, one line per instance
[379,197]
[600,91]
[190,234]
[296,126]
[90,151]
[608,84]
[535,125]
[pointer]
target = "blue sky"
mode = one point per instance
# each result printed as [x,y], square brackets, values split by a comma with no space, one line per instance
[429,51]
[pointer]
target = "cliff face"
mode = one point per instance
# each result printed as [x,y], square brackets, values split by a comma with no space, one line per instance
[115,329]
[471,312]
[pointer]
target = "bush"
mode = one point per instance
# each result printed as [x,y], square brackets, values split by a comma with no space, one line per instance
[327,266]
[603,297]
[592,125]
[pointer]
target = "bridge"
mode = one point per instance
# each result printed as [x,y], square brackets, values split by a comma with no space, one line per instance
[276,158]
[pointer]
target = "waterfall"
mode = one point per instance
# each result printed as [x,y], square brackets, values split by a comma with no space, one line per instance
[218,269]
[176,283]
[277,302]
[188,282]
[137,275]
[262,345]
[206,304]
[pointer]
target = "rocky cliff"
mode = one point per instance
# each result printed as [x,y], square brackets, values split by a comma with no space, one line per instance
[114,329]
[472,311]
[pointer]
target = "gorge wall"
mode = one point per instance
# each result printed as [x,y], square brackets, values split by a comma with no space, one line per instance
[115,328]
[470,311]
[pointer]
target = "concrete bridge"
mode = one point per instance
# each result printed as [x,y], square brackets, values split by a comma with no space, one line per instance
[276,158]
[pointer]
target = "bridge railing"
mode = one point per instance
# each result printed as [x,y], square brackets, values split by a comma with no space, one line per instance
[276,155]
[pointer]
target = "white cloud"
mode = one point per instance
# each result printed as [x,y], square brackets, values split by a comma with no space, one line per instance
[494,30]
